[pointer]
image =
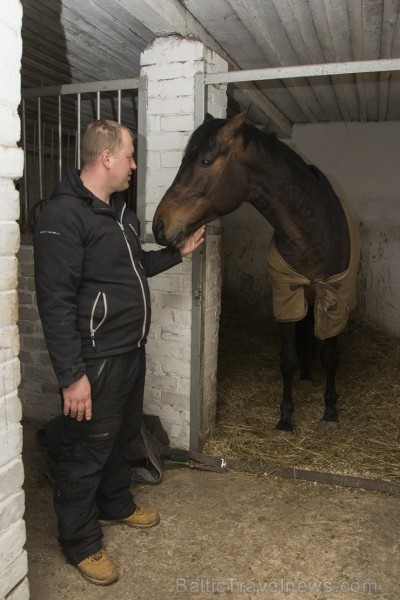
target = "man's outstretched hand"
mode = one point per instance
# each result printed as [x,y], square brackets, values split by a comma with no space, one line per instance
[193,241]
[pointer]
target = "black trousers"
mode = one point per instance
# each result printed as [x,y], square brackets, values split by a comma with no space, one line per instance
[93,475]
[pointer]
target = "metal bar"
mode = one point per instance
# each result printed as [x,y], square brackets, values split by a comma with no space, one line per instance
[98,104]
[39,137]
[68,144]
[34,158]
[78,132]
[82,88]
[59,138]
[141,153]
[256,467]
[198,288]
[51,156]
[197,349]
[58,91]
[25,179]
[119,106]
[345,68]
[44,169]
[199,99]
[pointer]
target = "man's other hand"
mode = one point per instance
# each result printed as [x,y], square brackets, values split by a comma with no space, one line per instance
[78,400]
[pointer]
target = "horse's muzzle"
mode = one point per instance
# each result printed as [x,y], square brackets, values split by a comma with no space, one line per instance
[162,240]
[158,231]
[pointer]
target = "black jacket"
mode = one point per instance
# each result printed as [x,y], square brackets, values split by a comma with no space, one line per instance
[91,277]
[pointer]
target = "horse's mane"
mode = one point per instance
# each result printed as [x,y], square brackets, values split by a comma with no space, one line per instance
[272,145]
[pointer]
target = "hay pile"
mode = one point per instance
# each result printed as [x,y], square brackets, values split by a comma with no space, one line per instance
[249,392]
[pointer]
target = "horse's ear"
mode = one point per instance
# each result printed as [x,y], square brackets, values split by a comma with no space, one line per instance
[208,117]
[233,125]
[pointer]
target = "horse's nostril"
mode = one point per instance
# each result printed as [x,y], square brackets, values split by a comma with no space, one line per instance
[159,230]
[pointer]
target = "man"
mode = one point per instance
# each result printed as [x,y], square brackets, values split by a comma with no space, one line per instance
[94,303]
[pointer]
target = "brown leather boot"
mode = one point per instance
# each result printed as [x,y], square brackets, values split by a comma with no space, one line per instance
[142,517]
[98,568]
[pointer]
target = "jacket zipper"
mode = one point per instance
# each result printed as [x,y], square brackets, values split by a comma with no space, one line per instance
[93,329]
[137,274]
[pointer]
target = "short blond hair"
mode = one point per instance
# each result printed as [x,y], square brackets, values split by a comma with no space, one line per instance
[99,136]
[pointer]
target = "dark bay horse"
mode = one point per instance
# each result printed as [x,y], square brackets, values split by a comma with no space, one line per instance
[228,162]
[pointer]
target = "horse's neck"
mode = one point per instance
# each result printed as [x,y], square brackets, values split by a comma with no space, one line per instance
[278,213]
[310,228]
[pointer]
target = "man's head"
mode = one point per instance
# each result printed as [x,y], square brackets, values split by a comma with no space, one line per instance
[107,148]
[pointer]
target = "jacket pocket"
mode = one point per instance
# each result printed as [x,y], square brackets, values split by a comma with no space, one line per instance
[98,315]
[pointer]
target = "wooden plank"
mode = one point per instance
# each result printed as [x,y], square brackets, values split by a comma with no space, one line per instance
[169,16]
[325,23]
[357,42]
[69,35]
[372,34]
[237,41]
[265,26]
[102,39]
[393,109]
[137,33]
[291,17]
[305,42]
[224,25]
[390,18]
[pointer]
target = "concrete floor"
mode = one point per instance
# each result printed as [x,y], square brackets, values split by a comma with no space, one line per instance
[232,536]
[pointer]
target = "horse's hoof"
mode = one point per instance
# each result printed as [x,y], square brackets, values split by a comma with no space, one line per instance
[328,426]
[281,432]
[282,428]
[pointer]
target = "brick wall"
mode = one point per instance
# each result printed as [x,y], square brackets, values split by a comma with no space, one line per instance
[13,559]
[38,390]
[169,66]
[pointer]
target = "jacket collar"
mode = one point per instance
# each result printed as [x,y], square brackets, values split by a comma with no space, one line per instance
[98,206]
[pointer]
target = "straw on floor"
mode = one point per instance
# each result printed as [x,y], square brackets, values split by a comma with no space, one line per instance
[366,443]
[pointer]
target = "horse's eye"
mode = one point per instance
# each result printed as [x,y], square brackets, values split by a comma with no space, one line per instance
[205,162]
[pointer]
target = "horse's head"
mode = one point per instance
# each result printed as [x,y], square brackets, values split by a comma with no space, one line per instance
[211,181]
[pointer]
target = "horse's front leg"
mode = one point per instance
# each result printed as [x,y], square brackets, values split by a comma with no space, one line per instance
[330,362]
[288,366]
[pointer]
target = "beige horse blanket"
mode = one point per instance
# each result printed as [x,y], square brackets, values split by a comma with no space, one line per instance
[335,297]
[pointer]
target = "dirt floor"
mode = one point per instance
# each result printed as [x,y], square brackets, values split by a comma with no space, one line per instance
[227,535]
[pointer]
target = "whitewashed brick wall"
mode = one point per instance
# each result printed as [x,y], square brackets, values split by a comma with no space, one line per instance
[13,559]
[169,65]
[38,390]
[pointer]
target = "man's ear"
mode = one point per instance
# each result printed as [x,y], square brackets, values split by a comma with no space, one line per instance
[105,157]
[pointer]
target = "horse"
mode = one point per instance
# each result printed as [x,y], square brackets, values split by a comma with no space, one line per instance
[315,244]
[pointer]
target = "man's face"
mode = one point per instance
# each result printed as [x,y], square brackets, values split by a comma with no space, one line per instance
[122,163]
